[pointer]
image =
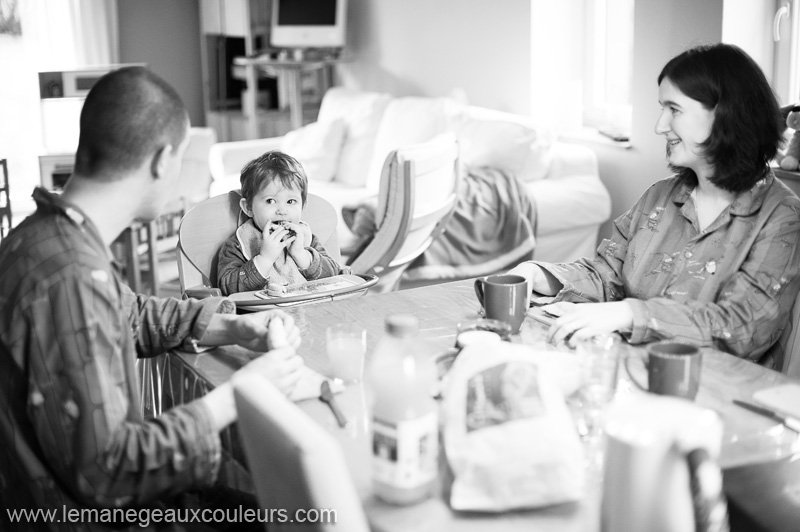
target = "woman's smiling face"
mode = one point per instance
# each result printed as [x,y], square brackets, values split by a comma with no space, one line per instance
[686,124]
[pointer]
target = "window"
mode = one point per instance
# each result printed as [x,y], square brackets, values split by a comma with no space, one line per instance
[608,67]
[586,49]
[786,35]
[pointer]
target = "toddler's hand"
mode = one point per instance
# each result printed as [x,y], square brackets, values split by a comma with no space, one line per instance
[274,239]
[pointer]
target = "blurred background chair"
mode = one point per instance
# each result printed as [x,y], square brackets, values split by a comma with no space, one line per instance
[417,195]
[790,343]
[207,225]
[295,463]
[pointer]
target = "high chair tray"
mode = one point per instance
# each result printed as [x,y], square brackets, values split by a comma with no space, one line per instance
[327,289]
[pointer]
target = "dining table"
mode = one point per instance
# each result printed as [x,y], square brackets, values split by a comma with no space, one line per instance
[748,437]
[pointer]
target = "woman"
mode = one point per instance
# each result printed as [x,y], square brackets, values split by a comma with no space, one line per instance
[709,255]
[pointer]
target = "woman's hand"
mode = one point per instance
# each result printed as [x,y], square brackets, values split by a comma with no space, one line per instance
[263,331]
[582,320]
[539,280]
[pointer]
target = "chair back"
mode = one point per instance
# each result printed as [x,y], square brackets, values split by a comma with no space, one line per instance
[208,224]
[295,463]
[417,195]
[789,345]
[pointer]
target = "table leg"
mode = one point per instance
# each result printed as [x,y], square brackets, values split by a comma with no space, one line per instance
[152,255]
[295,97]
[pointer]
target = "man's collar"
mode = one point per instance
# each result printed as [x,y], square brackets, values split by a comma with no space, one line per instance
[48,202]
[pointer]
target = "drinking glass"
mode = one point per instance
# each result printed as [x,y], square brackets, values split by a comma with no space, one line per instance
[346,344]
[599,361]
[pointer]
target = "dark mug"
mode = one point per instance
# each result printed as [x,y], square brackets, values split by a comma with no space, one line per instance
[673,368]
[504,297]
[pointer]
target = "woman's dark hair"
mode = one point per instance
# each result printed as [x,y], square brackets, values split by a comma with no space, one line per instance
[273,166]
[748,126]
[128,116]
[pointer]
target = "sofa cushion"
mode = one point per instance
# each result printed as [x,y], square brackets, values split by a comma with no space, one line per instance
[317,146]
[407,121]
[361,113]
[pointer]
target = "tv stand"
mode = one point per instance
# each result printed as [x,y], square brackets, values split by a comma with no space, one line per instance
[284,68]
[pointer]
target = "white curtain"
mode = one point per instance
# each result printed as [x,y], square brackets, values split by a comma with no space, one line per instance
[64,34]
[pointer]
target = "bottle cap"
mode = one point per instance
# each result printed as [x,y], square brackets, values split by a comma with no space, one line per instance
[402,325]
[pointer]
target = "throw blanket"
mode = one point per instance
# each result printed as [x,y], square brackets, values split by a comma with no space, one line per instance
[491,229]
[284,271]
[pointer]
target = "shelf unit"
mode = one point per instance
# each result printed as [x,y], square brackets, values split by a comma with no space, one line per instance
[249,89]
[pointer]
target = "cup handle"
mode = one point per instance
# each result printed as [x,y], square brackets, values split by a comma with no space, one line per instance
[630,375]
[479,290]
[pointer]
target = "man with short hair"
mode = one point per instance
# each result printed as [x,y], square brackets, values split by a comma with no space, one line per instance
[71,430]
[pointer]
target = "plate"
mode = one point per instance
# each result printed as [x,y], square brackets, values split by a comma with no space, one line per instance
[327,289]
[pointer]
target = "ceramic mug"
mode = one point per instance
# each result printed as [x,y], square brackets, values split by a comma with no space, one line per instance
[673,368]
[504,297]
[660,466]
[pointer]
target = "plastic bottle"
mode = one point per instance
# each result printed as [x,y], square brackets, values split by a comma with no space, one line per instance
[404,415]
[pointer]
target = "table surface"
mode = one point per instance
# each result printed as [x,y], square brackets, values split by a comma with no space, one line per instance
[748,437]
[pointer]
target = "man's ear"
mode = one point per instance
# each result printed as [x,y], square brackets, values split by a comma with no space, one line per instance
[245,207]
[158,166]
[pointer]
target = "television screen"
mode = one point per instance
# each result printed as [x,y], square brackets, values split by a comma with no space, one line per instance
[308,23]
[307,12]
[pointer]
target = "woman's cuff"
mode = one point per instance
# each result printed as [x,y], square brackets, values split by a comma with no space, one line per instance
[639,331]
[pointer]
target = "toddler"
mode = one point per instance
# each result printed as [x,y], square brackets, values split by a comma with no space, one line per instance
[273,247]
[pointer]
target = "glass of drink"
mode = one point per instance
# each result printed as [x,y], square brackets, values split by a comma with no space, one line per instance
[346,344]
[599,361]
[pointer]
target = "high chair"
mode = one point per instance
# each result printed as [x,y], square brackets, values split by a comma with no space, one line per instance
[208,224]
[417,195]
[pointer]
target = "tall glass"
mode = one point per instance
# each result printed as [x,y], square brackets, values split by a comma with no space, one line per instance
[599,363]
[346,344]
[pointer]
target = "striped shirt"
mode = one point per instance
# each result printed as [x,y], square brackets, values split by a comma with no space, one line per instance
[71,429]
[730,286]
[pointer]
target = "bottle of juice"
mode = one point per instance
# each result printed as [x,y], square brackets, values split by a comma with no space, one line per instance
[404,414]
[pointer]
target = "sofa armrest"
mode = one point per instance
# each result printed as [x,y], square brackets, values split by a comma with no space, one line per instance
[569,202]
[228,158]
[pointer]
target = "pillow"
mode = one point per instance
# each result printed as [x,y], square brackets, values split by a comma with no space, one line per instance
[361,113]
[317,146]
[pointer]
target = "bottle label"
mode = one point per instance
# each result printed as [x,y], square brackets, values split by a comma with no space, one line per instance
[404,454]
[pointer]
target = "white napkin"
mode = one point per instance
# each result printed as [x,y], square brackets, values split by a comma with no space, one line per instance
[308,387]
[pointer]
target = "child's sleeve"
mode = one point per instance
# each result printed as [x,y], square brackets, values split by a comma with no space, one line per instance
[234,272]
[322,264]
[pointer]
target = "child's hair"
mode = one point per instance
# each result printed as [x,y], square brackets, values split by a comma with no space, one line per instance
[273,165]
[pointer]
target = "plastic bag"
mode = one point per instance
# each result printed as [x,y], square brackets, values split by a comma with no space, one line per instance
[509,439]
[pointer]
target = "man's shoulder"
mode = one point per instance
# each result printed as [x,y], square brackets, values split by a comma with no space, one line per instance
[45,248]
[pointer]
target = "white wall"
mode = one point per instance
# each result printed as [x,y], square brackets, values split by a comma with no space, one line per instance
[166,36]
[431,47]
[742,25]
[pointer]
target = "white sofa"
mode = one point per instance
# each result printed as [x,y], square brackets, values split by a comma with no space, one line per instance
[344,150]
